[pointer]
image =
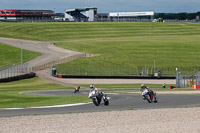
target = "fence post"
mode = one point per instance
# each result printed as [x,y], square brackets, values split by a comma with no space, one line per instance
[8,71]
[12,71]
[17,69]
[5,73]
[177,78]
[184,80]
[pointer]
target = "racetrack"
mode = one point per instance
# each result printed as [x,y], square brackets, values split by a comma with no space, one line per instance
[126,112]
[117,102]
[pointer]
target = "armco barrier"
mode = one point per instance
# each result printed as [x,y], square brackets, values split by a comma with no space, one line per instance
[59,76]
[52,63]
[117,77]
[196,86]
[20,77]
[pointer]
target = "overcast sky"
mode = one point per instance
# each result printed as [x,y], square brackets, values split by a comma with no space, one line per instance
[105,6]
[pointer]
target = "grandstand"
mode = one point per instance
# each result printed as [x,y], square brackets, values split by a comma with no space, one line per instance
[81,15]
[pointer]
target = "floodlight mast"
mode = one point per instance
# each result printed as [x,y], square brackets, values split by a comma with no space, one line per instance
[21,54]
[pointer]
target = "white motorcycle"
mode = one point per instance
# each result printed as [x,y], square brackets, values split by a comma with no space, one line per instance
[98,98]
[149,95]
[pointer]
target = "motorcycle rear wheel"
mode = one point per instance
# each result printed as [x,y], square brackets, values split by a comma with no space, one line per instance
[95,101]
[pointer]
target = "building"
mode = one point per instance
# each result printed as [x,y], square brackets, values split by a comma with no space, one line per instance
[131,15]
[81,14]
[126,17]
[27,15]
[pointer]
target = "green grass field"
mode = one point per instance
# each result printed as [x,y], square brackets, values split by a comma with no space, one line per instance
[124,45]
[77,31]
[11,97]
[12,55]
[120,45]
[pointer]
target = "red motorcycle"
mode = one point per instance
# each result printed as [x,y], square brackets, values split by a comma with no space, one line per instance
[149,95]
[77,89]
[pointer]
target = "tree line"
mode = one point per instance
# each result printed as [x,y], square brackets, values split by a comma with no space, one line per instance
[179,16]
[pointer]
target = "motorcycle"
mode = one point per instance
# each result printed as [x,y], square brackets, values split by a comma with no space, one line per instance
[149,95]
[98,98]
[76,89]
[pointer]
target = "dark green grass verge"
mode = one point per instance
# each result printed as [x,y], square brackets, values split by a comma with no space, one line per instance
[10,94]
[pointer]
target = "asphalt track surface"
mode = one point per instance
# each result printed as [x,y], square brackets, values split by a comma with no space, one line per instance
[117,102]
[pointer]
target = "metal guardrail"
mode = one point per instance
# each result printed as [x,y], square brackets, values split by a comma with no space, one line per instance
[59,61]
[14,70]
[123,70]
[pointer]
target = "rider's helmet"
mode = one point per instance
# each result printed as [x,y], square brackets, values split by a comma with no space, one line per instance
[142,85]
[91,86]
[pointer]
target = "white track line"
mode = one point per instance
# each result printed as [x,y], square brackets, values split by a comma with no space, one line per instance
[45,107]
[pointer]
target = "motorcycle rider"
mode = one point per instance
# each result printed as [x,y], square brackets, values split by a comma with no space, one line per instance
[77,89]
[93,88]
[143,87]
[99,94]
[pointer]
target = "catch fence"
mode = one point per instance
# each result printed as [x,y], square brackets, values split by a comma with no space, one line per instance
[59,61]
[186,81]
[116,19]
[14,70]
[105,19]
[123,71]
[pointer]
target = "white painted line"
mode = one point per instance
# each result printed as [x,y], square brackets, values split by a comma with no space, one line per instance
[113,93]
[45,107]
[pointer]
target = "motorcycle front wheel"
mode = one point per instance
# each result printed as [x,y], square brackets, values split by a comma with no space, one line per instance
[95,101]
[106,102]
[155,99]
[148,98]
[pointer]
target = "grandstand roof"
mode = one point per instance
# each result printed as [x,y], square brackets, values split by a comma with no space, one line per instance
[80,9]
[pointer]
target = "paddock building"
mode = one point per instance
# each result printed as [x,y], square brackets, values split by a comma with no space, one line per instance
[27,15]
[126,16]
